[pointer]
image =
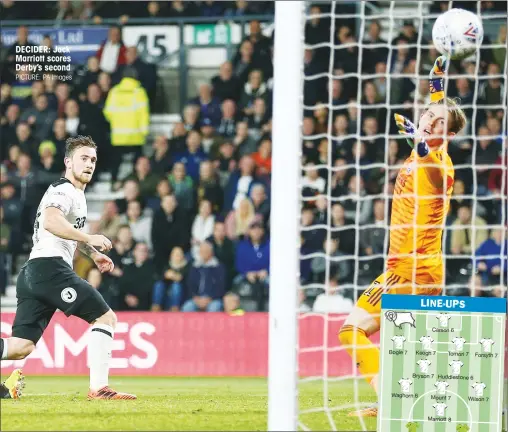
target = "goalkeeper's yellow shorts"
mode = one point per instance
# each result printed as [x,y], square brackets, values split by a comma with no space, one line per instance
[389,283]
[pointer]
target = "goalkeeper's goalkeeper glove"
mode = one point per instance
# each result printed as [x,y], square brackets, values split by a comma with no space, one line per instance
[406,127]
[436,78]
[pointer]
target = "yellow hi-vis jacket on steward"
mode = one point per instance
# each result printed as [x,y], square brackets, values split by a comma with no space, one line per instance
[128,113]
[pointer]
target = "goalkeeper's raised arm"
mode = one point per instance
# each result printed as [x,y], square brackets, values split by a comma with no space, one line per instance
[438,124]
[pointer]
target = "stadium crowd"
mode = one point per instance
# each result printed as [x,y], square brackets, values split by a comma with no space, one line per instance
[192,229]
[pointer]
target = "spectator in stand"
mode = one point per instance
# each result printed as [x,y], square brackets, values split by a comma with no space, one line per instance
[141,226]
[494,125]
[342,144]
[338,95]
[202,227]
[192,156]
[104,83]
[86,75]
[317,31]
[206,282]
[491,258]
[92,118]
[163,189]
[112,52]
[109,223]
[210,140]
[238,221]
[374,55]
[340,178]
[170,229]
[130,193]
[225,162]
[254,88]
[499,54]
[239,183]
[59,136]
[372,238]
[224,249]
[182,185]
[209,188]
[499,185]
[25,141]
[492,89]
[357,192]
[5,242]
[30,101]
[21,41]
[122,253]
[160,161]
[309,146]
[258,119]
[182,9]
[209,106]
[343,229]
[128,113]
[146,72]
[371,97]
[72,120]
[47,162]
[137,281]
[178,138]
[253,266]
[312,237]
[243,62]
[462,232]
[261,203]
[146,179]
[321,118]
[486,154]
[340,269]
[375,145]
[8,125]
[227,127]
[336,300]
[169,291]
[225,85]
[263,158]
[261,46]
[211,8]
[312,183]
[191,117]
[244,143]
[40,118]
[62,92]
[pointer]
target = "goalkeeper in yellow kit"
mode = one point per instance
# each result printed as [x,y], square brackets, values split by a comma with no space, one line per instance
[420,203]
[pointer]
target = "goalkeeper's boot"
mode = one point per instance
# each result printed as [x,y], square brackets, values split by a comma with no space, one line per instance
[108,393]
[366,412]
[13,386]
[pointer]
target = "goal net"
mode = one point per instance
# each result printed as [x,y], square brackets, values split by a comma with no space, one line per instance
[362,64]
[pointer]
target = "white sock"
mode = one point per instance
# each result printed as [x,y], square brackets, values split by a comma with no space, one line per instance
[4,351]
[99,354]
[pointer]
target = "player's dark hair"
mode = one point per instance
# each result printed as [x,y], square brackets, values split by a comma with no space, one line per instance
[74,143]
[456,117]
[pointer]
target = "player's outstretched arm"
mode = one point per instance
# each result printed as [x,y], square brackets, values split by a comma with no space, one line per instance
[436,79]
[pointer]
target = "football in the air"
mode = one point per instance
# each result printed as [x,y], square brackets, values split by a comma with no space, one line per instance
[457,33]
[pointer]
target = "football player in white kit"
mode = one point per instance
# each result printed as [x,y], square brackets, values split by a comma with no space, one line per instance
[47,281]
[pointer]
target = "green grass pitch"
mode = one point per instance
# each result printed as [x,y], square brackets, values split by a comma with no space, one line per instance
[59,403]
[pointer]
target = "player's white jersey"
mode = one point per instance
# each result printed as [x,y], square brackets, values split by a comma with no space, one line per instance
[459,343]
[440,409]
[441,387]
[64,196]
[478,388]
[443,319]
[424,365]
[398,342]
[456,365]
[426,342]
[405,385]
[487,345]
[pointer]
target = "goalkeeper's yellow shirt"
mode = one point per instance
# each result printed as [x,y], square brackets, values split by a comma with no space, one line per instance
[419,210]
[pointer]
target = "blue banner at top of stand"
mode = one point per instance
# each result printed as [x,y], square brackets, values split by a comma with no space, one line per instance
[443,303]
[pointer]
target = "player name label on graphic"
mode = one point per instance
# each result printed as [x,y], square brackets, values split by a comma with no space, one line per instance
[442,363]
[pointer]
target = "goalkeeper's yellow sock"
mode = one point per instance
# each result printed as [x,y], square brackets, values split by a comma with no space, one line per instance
[367,354]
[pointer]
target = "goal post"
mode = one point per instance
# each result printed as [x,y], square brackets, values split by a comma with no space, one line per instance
[285,201]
